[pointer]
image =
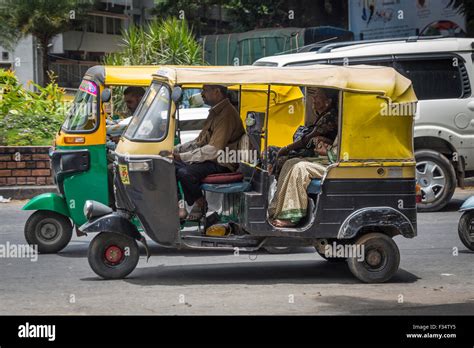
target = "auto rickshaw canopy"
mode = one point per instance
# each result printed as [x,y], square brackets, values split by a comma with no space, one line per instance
[377,106]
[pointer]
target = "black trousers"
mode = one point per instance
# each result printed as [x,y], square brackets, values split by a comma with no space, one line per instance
[191,174]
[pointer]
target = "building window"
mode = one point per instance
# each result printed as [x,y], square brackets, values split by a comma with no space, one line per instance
[118,26]
[99,24]
[5,56]
[114,26]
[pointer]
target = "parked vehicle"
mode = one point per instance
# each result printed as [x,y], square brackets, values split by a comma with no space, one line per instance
[79,159]
[466,223]
[365,198]
[442,72]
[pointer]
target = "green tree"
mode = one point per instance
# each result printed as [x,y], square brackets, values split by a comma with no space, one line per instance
[43,19]
[466,7]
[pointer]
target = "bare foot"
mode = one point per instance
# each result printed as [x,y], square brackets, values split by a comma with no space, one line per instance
[183,213]
[283,223]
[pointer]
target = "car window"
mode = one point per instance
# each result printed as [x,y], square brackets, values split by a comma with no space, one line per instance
[433,78]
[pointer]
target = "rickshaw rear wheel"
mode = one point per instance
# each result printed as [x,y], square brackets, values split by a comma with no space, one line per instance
[466,229]
[49,230]
[113,255]
[381,258]
[278,250]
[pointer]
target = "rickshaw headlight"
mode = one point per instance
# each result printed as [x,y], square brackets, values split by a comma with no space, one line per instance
[88,206]
[94,209]
[143,166]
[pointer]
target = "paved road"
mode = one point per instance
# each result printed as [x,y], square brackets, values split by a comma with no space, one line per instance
[431,280]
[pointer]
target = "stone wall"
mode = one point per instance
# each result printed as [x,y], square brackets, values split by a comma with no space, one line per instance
[25,165]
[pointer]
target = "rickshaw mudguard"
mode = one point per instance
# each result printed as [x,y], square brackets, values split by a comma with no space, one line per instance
[48,201]
[113,222]
[468,204]
[376,217]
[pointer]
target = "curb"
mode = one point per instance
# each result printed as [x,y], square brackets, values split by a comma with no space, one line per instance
[25,192]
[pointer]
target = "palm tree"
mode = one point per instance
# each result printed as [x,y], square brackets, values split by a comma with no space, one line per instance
[43,19]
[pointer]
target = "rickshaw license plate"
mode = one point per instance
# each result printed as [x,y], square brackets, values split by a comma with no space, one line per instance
[123,171]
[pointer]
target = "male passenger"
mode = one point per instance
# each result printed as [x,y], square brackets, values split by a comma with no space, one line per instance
[198,158]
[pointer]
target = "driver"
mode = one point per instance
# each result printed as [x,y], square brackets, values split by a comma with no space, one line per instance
[198,158]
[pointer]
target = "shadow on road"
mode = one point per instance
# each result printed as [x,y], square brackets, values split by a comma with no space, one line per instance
[252,273]
[80,251]
[362,306]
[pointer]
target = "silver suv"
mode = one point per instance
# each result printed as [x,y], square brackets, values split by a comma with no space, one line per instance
[441,70]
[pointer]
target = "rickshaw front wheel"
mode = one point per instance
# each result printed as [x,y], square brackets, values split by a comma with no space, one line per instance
[466,229]
[113,255]
[49,230]
[378,259]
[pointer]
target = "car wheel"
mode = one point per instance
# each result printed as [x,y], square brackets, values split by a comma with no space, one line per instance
[380,260]
[113,255]
[466,229]
[437,180]
[50,231]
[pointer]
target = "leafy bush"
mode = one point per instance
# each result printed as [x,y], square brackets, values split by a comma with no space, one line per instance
[26,117]
[160,42]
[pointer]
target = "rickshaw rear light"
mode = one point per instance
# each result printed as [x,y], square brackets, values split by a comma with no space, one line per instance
[418,193]
[74,140]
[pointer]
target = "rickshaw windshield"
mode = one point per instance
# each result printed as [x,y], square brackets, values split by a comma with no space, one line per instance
[83,115]
[150,121]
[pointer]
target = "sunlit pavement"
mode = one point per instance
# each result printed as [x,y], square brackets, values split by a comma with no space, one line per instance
[435,277]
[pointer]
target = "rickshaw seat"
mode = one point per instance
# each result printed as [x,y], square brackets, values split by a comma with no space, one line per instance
[225,183]
[314,187]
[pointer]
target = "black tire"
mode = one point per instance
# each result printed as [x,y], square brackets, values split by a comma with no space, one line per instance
[49,230]
[278,250]
[381,259]
[332,259]
[466,229]
[436,191]
[106,267]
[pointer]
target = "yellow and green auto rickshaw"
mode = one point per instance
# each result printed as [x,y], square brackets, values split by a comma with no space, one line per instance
[79,159]
[366,196]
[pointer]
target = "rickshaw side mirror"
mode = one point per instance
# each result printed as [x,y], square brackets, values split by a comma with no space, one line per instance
[106,95]
[176,94]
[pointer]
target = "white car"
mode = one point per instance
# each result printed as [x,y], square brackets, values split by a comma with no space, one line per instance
[441,70]
[191,121]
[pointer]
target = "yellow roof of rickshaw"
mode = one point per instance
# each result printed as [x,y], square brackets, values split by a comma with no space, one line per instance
[358,78]
[127,75]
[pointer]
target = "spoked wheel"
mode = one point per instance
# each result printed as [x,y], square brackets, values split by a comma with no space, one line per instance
[113,255]
[437,180]
[466,229]
[50,231]
[380,260]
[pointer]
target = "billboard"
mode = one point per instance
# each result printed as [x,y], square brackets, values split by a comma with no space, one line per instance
[377,19]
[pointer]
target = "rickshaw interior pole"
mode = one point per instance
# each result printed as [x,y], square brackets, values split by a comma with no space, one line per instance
[240,99]
[267,114]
